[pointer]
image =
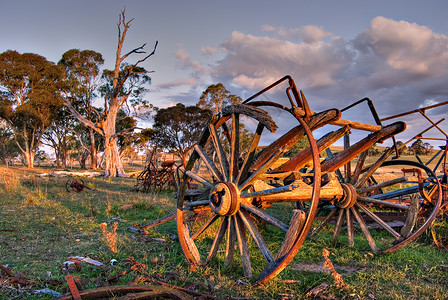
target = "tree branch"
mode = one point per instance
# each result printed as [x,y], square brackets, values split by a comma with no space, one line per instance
[127,131]
[84,146]
[81,118]
[136,50]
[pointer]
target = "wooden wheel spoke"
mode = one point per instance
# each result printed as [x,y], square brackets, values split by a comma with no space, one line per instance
[324,222]
[381,185]
[230,242]
[199,179]
[374,167]
[358,168]
[378,220]
[347,166]
[339,223]
[209,163]
[383,202]
[256,235]
[263,168]
[194,204]
[250,154]
[364,229]
[205,226]
[235,147]
[223,163]
[218,238]
[226,131]
[242,245]
[265,216]
[350,227]
[338,172]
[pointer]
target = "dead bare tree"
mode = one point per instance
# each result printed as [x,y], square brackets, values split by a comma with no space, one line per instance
[124,81]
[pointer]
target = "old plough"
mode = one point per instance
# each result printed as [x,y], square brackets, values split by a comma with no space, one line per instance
[255,205]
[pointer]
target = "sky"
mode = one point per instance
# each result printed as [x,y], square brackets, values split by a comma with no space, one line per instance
[393,52]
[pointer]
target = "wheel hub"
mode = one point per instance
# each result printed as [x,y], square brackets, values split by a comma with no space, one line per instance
[349,198]
[224,199]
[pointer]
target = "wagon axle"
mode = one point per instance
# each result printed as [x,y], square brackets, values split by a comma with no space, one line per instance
[224,199]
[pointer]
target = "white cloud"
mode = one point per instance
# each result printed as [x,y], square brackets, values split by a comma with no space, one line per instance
[267,28]
[208,50]
[186,62]
[407,47]
[312,34]
[397,64]
[309,33]
[252,61]
[176,83]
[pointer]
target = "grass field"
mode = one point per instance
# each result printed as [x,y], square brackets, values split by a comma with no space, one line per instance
[42,225]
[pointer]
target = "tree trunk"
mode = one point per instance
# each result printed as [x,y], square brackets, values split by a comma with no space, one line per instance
[114,167]
[93,152]
[82,159]
[29,156]
[57,157]
[63,152]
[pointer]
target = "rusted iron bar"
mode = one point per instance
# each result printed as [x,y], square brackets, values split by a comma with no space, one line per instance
[413,111]
[73,288]
[432,122]
[419,135]
[371,107]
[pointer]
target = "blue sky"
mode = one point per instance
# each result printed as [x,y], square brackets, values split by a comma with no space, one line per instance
[394,52]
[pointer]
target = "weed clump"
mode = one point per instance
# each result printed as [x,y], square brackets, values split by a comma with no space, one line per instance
[110,236]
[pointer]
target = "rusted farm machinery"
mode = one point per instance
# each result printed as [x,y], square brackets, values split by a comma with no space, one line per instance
[437,163]
[156,175]
[250,191]
[75,185]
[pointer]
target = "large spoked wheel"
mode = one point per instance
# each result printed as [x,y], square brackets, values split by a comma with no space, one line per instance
[390,205]
[237,216]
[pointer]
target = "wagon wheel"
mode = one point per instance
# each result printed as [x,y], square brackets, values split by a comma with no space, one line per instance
[68,184]
[392,203]
[74,185]
[212,221]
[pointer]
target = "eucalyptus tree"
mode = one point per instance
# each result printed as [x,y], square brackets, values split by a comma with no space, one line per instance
[29,98]
[215,97]
[8,147]
[123,85]
[58,134]
[83,78]
[178,127]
